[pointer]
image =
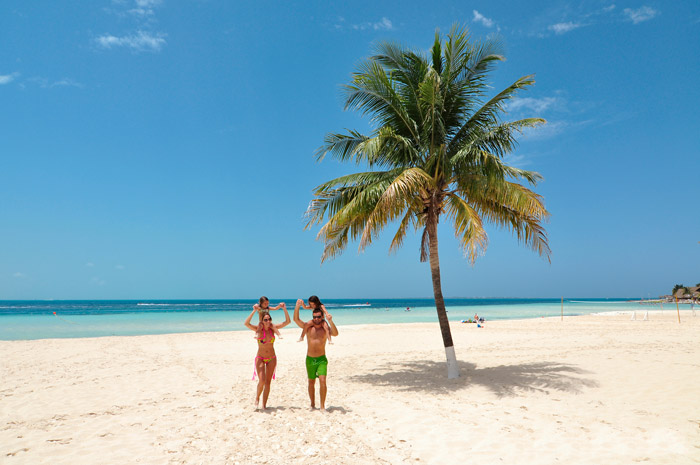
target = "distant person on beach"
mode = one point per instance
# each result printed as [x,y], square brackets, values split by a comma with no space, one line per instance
[265,360]
[263,305]
[316,337]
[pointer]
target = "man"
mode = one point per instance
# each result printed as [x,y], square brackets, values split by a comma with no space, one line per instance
[316,337]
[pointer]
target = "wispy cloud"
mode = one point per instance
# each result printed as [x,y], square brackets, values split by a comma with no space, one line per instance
[518,160]
[19,275]
[561,114]
[546,131]
[571,21]
[120,267]
[66,82]
[141,41]
[90,264]
[8,78]
[537,105]
[144,7]
[383,24]
[479,18]
[45,83]
[640,15]
[526,107]
[142,37]
[562,28]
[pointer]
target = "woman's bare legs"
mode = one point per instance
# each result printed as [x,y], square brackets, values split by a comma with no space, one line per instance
[270,371]
[262,376]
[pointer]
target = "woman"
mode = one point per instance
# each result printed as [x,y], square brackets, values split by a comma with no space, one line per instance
[265,360]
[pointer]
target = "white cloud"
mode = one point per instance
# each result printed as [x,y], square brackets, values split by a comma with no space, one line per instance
[517,160]
[44,83]
[141,11]
[142,15]
[545,131]
[98,281]
[141,41]
[19,275]
[383,24]
[479,18]
[66,82]
[138,8]
[8,78]
[639,15]
[608,9]
[534,104]
[90,264]
[144,7]
[561,114]
[148,3]
[561,28]
[120,267]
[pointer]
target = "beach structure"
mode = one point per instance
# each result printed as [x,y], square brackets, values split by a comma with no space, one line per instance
[692,293]
[437,151]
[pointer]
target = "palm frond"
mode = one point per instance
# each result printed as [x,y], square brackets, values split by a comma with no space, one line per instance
[398,196]
[371,92]
[492,141]
[514,207]
[335,195]
[343,147]
[408,220]
[431,105]
[487,115]
[469,229]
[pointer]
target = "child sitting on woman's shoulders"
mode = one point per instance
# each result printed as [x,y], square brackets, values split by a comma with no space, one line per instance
[263,305]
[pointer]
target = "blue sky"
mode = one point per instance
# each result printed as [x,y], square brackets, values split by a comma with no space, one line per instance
[160,149]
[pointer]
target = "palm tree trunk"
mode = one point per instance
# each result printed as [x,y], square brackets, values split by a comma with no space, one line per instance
[452,368]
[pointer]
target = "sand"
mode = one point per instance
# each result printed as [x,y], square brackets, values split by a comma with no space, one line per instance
[589,390]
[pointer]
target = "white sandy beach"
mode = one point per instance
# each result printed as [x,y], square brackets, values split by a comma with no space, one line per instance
[588,390]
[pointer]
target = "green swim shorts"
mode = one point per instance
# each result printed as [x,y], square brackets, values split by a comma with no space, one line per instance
[316,366]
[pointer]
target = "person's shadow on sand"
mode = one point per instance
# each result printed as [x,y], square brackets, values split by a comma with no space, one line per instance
[340,410]
[504,380]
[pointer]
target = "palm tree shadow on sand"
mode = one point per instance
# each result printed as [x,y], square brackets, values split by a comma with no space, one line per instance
[503,380]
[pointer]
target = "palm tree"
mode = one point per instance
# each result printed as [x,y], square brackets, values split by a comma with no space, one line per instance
[437,150]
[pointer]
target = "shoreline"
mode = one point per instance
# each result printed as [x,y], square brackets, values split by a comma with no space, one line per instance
[531,391]
[42,327]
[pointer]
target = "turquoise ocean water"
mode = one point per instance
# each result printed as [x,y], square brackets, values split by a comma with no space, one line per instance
[20,320]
